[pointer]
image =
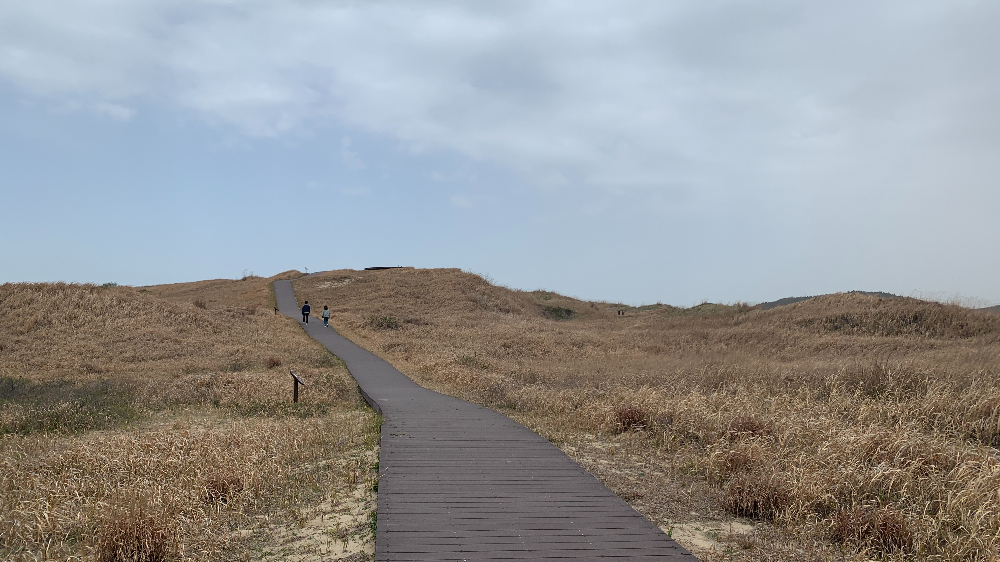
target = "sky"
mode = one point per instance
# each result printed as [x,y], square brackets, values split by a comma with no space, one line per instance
[628,151]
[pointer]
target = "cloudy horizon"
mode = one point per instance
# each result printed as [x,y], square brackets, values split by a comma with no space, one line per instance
[636,151]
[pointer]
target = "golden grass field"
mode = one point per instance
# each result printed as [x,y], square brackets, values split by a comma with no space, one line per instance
[843,427]
[156,423]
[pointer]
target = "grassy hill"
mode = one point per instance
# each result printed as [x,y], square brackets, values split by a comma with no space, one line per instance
[846,425]
[156,420]
[793,300]
[136,424]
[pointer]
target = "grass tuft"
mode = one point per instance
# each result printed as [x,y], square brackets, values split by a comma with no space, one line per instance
[472,361]
[220,487]
[132,534]
[383,323]
[756,495]
[884,530]
[495,393]
[749,426]
[629,418]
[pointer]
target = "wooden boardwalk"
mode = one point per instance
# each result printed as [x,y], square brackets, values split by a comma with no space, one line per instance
[462,482]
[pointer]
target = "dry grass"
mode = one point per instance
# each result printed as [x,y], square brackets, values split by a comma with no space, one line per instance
[137,425]
[133,534]
[844,426]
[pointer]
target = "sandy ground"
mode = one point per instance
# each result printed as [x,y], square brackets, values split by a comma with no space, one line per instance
[706,537]
[337,529]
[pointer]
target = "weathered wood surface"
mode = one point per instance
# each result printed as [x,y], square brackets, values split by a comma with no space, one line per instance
[462,482]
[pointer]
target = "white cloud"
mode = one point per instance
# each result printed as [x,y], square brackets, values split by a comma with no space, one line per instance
[718,97]
[349,157]
[115,111]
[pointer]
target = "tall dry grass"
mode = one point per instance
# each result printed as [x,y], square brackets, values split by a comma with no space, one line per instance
[142,427]
[846,425]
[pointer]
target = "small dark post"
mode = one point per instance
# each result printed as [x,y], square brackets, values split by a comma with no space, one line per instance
[295,391]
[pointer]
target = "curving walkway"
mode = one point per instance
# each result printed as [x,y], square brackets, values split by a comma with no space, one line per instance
[462,482]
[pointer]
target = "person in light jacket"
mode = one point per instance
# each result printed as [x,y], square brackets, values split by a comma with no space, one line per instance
[305,312]
[326,316]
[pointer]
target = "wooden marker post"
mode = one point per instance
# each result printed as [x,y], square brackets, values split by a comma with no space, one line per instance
[298,381]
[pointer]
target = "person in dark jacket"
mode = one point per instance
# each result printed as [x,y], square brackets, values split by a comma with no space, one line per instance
[305,312]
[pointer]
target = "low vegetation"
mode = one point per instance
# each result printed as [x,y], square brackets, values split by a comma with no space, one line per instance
[148,424]
[841,427]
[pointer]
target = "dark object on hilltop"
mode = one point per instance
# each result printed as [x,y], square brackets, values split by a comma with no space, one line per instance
[878,294]
[793,300]
[381,268]
[782,302]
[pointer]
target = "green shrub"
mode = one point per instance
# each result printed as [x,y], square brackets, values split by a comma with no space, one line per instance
[383,323]
[557,313]
[62,407]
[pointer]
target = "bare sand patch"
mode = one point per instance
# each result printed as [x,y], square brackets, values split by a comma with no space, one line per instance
[338,528]
[335,283]
[705,537]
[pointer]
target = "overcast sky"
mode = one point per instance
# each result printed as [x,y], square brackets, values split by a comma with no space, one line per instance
[626,151]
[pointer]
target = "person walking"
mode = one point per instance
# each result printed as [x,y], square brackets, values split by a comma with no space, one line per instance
[305,312]
[326,316]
